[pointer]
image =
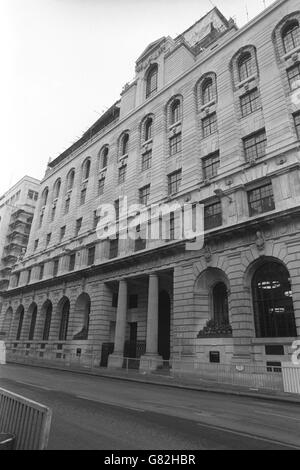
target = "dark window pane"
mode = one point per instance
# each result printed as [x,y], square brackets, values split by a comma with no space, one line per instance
[210,165]
[174,181]
[209,125]
[255,146]
[261,200]
[212,216]
[273,302]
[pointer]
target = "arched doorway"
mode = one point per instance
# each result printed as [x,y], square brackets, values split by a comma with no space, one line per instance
[273,301]
[164,318]
[220,304]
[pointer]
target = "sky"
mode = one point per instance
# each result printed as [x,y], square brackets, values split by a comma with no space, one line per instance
[64,62]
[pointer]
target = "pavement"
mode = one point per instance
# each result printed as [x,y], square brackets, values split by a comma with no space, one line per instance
[184,381]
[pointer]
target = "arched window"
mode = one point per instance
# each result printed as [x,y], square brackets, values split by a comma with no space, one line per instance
[82,312]
[56,188]
[245,67]
[70,179]
[86,169]
[20,313]
[104,157]
[33,310]
[45,196]
[48,317]
[175,111]
[273,302]
[291,36]
[151,81]
[64,322]
[124,144]
[207,91]
[220,304]
[148,129]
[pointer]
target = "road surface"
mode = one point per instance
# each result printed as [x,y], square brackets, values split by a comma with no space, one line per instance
[91,412]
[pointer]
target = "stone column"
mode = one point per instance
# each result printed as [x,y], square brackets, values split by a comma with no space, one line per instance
[115,359]
[151,360]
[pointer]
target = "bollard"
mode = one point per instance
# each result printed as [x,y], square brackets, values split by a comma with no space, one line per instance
[7,441]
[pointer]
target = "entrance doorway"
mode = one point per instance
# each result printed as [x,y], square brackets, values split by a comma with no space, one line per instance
[164,317]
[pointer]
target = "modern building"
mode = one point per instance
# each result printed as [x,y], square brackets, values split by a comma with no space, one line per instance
[16,213]
[211,119]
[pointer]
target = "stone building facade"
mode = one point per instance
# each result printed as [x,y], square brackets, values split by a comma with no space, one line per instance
[211,116]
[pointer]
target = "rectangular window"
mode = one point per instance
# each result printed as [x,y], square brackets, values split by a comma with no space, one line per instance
[261,200]
[72,260]
[78,226]
[36,243]
[41,272]
[146,160]
[62,232]
[28,276]
[82,196]
[297,124]
[294,76]
[117,208]
[255,145]
[101,186]
[172,226]
[209,125]
[144,194]
[250,102]
[55,267]
[210,165]
[212,215]
[91,255]
[41,220]
[174,180]
[48,239]
[67,205]
[175,144]
[122,174]
[113,248]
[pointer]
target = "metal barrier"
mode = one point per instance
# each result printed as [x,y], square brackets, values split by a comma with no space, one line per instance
[27,420]
[250,375]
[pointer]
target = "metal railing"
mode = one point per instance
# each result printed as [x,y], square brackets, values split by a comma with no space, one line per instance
[27,420]
[252,375]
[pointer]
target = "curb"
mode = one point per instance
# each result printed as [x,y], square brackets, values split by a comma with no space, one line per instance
[240,393]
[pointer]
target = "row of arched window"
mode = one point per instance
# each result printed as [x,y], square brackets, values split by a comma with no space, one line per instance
[290,35]
[81,309]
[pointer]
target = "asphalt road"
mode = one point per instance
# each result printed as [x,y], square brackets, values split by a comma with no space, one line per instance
[104,413]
